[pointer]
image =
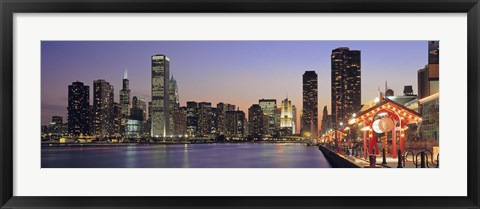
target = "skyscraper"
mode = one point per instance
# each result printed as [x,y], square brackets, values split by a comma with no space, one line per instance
[173,102]
[286,117]
[103,107]
[268,107]
[174,97]
[235,124]
[214,122]
[117,119]
[205,117]
[160,121]
[139,109]
[137,126]
[277,114]
[192,118]
[428,77]
[180,121]
[220,115]
[91,119]
[310,104]
[346,84]
[78,114]
[255,121]
[326,121]
[221,111]
[124,102]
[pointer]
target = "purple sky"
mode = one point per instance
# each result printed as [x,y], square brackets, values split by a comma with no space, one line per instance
[236,72]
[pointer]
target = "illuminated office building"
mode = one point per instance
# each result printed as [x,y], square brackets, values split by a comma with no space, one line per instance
[310,104]
[160,120]
[346,84]
[78,113]
[286,117]
[124,102]
[268,107]
[103,107]
[256,121]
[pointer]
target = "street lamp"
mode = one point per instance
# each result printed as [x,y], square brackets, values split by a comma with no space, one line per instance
[336,136]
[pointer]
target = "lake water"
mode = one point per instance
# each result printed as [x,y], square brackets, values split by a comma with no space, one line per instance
[241,155]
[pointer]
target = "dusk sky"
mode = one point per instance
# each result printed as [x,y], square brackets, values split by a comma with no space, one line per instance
[235,72]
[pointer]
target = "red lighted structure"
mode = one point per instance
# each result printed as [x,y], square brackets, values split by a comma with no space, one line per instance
[399,114]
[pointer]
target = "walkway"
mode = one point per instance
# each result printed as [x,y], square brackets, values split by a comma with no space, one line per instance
[390,162]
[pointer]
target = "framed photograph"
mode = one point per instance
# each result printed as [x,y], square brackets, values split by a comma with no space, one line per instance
[236,104]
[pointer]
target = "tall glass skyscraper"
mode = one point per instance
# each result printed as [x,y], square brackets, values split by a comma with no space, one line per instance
[286,117]
[268,107]
[310,104]
[173,103]
[346,84]
[160,96]
[78,109]
[103,107]
[255,121]
[124,102]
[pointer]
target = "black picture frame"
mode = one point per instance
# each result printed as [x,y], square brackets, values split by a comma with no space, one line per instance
[10,7]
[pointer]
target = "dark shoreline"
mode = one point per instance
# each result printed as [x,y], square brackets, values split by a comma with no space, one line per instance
[56,144]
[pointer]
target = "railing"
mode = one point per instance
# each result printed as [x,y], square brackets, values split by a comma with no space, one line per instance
[405,156]
[425,157]
[422,160]
[436,164]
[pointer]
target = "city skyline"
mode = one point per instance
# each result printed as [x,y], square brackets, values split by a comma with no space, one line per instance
[215,86]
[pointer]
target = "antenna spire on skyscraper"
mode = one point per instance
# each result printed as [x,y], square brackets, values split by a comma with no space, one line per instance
[125,76]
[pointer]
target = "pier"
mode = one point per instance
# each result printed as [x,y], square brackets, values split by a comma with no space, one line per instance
[348,158]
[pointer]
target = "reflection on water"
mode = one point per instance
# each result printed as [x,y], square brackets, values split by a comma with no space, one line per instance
[183,156]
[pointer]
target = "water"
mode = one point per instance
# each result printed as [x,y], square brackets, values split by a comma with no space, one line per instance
[184,156]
